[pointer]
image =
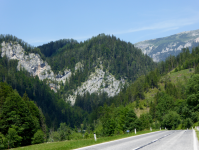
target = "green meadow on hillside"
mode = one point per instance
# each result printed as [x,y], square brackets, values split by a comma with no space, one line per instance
[179,77]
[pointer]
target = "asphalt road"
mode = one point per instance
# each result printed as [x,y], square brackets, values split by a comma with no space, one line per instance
[162,140]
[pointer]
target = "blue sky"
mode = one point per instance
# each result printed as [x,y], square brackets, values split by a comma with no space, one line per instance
[41,21]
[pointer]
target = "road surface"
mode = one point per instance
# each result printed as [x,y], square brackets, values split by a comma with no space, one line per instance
[162,140]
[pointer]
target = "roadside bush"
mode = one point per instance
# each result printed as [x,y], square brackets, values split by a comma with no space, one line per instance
[188,123]
[38,137]
[86,135]
[171,120]
[54,137]
[76,136]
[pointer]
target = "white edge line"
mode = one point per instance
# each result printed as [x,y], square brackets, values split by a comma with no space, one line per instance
[115,140]
[195,141]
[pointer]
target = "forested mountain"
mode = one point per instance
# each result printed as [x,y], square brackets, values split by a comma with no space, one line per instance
[29,73]
[161,48]
[100,64]
[53,47]
[120,58]
[105,61]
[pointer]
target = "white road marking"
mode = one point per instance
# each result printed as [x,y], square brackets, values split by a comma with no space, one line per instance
[152,142]
[195,141]
[115,140]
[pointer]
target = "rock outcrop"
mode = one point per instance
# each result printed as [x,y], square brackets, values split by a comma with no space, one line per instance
[32,63]
[98,82]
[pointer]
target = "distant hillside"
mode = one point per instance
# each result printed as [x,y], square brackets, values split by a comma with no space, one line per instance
[159,49]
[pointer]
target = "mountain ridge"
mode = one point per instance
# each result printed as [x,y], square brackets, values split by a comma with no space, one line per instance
[160,48]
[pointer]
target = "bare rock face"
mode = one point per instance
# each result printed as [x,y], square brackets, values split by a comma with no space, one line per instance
[32,63]
[98,82]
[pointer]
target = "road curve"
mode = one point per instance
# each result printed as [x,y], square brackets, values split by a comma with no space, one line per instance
[162,140]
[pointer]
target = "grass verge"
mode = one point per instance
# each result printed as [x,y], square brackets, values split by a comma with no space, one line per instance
[197,134]
[72,144]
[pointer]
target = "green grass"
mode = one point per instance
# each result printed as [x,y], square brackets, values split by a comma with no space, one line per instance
[67,145]
[180,76]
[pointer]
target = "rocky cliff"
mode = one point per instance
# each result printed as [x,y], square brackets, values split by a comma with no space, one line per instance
[159,49]
[99,81]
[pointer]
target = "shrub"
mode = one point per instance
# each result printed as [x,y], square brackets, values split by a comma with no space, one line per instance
[2,139]
[86,135]
[38,137]
[171,120]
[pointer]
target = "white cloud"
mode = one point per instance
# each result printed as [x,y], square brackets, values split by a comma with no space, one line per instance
[166,25]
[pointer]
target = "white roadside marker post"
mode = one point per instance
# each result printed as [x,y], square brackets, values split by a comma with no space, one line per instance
[160,128]
[135,130]
[150,129]
[95,137]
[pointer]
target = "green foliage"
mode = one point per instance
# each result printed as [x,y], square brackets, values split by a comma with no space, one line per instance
[146,121]
[197,69]
[192,91]
[86,135]
[55,47]
[171,120]
[20,117]
[15,112]
[12,138]
[163,103]
[54,137]
[38,137]
[116,120]
[187,123]
[130,120]
[2,140]
[64,132]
